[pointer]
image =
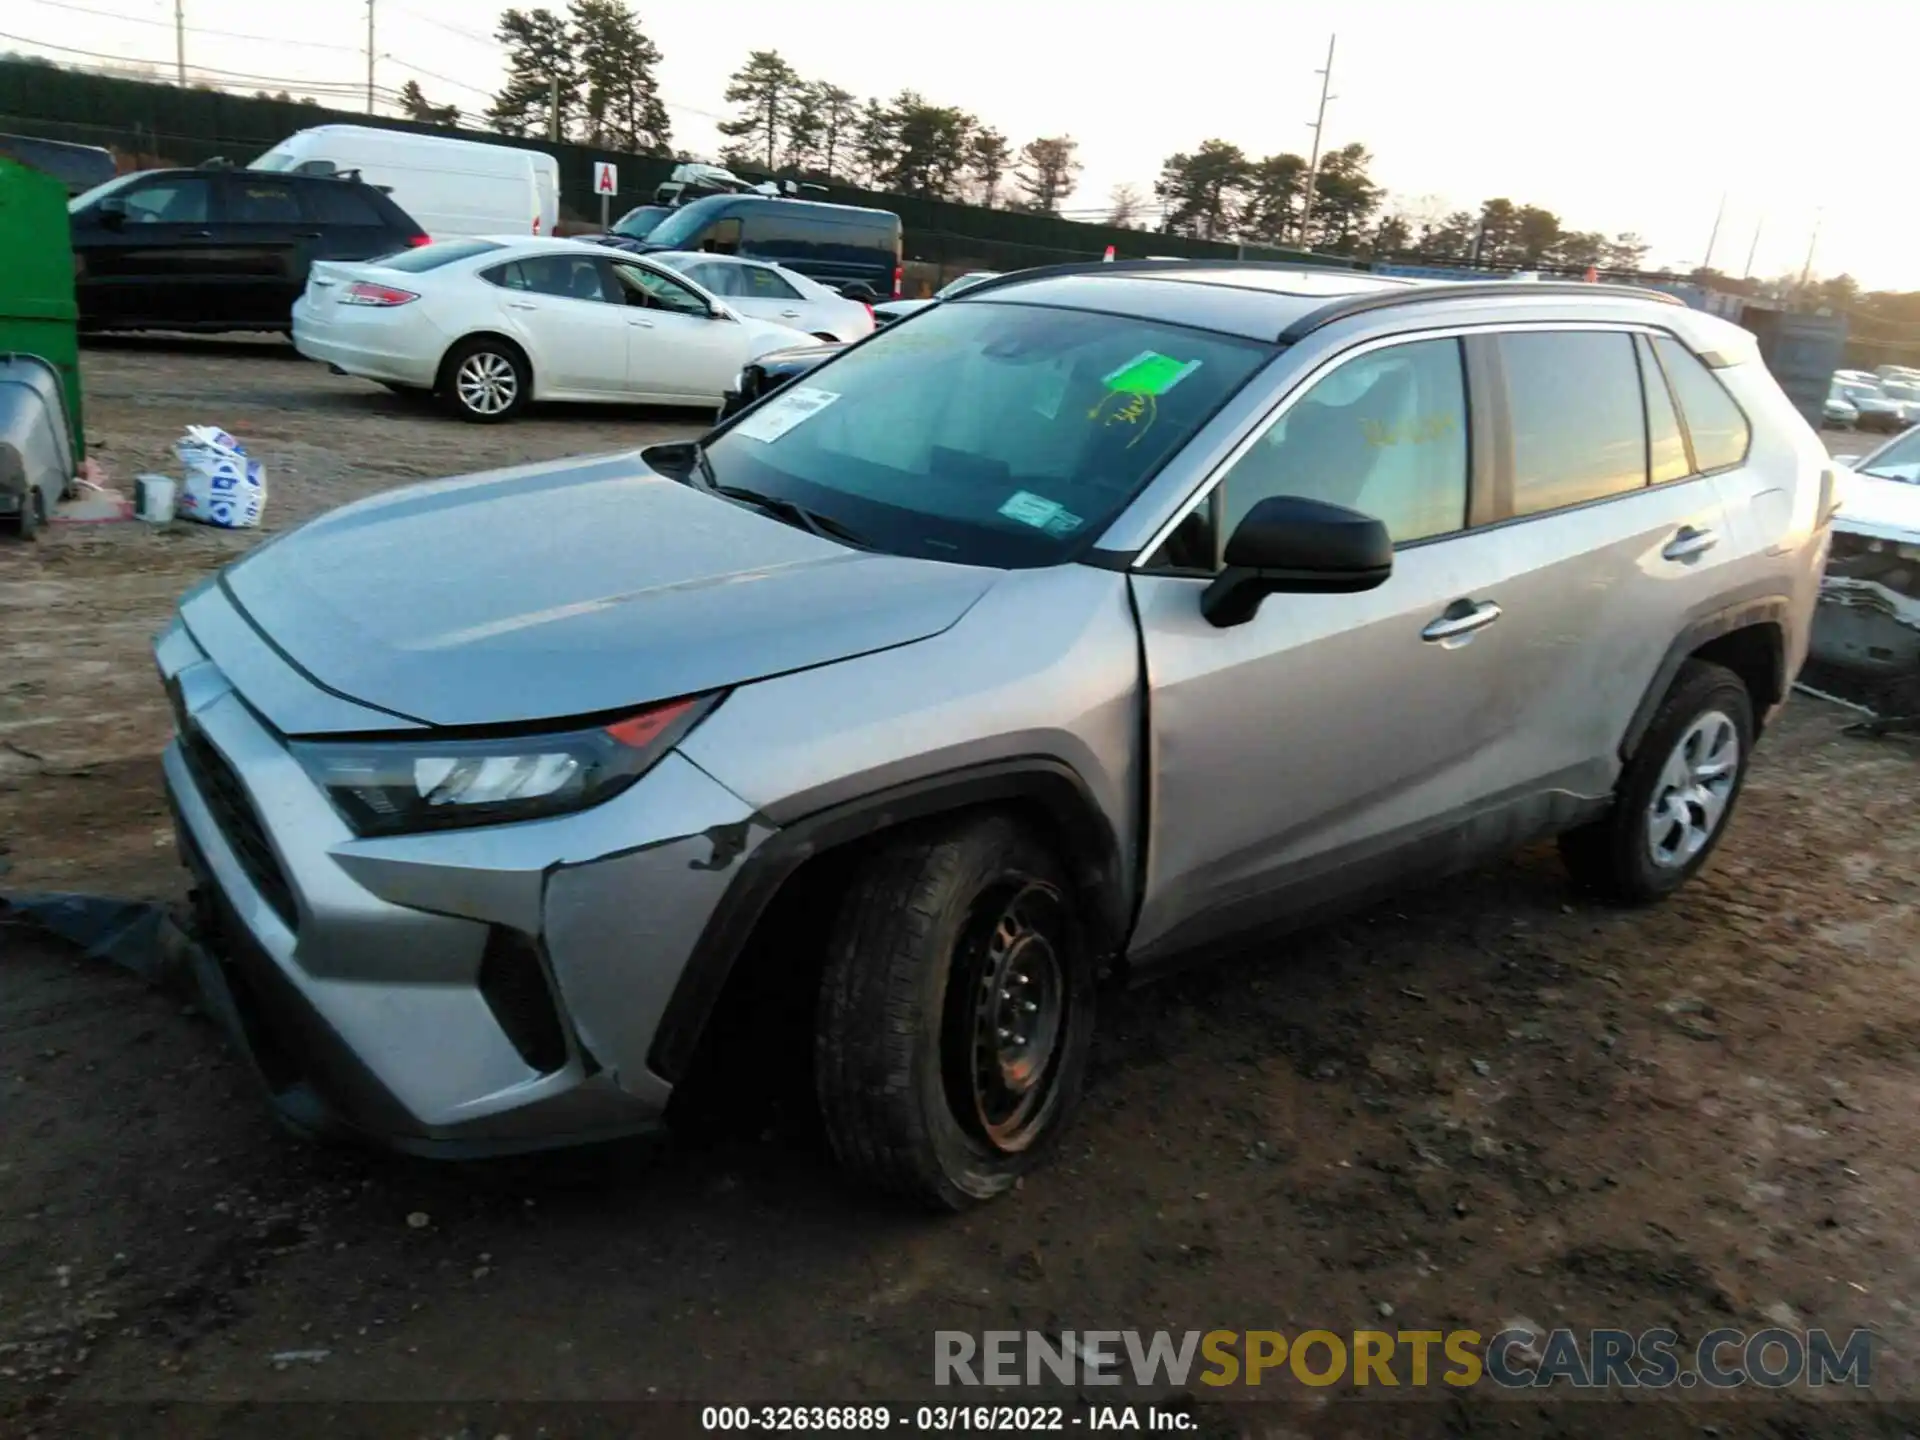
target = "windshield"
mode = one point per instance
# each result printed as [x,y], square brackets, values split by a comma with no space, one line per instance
[88,197]
[1898,461]
[987,433]
[965,282]
[682,225]
[637,223]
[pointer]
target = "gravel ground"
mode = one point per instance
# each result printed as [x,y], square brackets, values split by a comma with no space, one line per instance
[1485,1101]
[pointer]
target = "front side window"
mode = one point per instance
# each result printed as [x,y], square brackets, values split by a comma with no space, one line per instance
[642,286]
[1384,434]
[1575,411]
[988,434]
[1719,430]
[715,279]
[181,200]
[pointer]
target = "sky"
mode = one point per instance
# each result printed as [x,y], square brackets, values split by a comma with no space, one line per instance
[1626,116]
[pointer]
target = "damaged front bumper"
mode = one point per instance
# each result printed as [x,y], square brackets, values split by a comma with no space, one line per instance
[462,993]
[1868,619]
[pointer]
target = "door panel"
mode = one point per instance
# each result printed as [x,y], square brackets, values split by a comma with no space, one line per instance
[1292,758]
[675,344]
[575,333]
[157,263]
[261,241]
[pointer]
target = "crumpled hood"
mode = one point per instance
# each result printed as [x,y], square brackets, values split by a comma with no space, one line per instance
[573,588]
[1875,505]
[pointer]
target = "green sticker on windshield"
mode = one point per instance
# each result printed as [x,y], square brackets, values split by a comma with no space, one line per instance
[1149,373]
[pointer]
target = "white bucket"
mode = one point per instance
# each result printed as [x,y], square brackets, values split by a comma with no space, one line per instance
[153,498]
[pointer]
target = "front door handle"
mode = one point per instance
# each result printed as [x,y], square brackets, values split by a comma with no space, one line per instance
[640,324]
[1689,543]
[1460,620]
[789,314]
[521,305]
[307,235]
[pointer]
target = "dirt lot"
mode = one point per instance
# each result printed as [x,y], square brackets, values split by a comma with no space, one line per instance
[1488,1101]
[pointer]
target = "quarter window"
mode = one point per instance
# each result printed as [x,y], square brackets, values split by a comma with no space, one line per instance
[1576,417]
[1719,430]
[1385,434]
[338,202]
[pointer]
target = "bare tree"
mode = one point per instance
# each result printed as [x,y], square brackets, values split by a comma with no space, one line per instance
[1125,203]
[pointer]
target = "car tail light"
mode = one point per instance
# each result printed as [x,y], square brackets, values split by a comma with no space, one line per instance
[365,292]
[899,274]
[869,308]
[415,242]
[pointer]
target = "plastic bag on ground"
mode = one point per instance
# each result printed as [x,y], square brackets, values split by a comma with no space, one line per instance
[220,485]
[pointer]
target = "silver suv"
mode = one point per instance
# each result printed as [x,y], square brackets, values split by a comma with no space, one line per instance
[1089,620]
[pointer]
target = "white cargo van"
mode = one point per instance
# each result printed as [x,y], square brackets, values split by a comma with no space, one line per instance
[452,187]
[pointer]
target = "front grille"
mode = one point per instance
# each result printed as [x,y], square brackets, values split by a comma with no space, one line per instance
[234,814]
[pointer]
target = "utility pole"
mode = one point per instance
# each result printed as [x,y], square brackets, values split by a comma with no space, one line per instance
[180,38]
[1754,248]
[553,120]
[1320,119]
[1713,238]
[369,57]
[1806,271]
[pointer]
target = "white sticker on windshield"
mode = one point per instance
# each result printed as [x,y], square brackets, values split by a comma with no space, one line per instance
[783,412]
[1040,512]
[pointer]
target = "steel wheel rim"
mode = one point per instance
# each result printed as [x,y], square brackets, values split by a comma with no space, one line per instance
[1007,1016]
[1695,786]
[487,383]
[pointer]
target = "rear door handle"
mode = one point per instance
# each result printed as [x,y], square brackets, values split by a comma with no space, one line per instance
[1689,543]
[521,305]
[1461,619]
[789,314]
[639,324]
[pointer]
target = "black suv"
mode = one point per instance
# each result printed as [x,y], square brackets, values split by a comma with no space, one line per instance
[220,249]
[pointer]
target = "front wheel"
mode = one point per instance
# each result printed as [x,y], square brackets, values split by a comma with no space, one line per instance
[485,380]
[1675,796]
[956,1013]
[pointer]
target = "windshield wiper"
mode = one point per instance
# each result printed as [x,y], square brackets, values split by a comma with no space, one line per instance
[825,526]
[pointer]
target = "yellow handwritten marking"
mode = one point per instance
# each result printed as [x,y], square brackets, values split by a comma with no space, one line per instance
[1118,408]
[1417,431]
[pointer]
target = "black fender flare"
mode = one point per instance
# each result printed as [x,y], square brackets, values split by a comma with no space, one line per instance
[1769,609]
[1094,856]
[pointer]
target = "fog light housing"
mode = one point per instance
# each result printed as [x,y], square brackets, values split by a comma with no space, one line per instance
[513,982]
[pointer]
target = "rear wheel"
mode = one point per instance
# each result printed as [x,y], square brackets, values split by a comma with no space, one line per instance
[1675,796]
[956,1013]
[485,380]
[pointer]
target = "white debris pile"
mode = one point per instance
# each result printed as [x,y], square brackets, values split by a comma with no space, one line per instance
[219,484]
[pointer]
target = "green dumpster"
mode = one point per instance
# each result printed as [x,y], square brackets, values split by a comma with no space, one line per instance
[38,315]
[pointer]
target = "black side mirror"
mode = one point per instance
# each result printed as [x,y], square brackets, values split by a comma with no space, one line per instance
[859,290]
[1289,545]
[112,212]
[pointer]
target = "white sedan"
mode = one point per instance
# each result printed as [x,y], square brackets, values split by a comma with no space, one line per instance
[488,325]
[772,292]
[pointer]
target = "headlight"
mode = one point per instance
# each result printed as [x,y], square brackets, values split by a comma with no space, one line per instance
[389,787]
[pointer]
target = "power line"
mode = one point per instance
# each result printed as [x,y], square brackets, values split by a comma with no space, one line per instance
[191,29]
[443,79]
[490,42]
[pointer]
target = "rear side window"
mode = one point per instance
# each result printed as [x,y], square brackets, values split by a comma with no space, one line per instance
[262,202]
[717,279]
[764,284]
[1575,409]
[1718,429]
[338,203]
[1666,448]
[432,257]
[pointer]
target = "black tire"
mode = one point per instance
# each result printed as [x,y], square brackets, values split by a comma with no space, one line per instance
[928,923]
[1615,856]
[31,515]
[507,360]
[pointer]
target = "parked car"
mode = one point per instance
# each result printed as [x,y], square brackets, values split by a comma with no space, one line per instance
[1872,406]
[891,310]
[636,224]
[1101,617]
[489,325]
[834,244]
[214,249]
[453,187]
[1839,411]
[78,167]
[1905,396]
[772,292]
[1868,622]
[761,377]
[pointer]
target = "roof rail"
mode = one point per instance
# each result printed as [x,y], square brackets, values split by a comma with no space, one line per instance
[1365,301]
[1156,266]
